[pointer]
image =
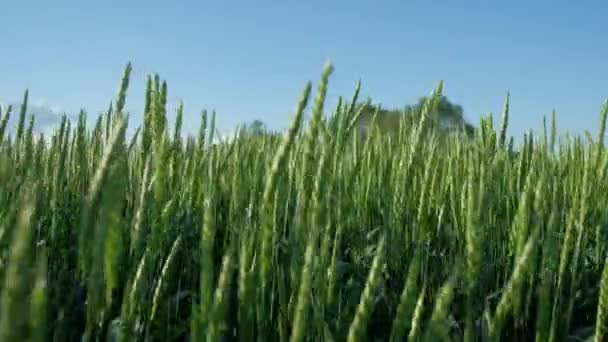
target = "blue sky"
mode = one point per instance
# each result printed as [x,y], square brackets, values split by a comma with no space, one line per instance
[250,60]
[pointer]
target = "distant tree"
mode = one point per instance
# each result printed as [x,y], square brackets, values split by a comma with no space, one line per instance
[447,116]
[255,128]
[258,129]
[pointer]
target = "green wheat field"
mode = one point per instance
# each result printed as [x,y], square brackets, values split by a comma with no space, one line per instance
[312,234]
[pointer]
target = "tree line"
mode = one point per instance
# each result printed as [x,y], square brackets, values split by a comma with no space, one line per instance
[448,117]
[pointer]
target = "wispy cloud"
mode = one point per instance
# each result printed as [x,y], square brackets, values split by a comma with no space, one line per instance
[41,102]
[57,109]
[47,116]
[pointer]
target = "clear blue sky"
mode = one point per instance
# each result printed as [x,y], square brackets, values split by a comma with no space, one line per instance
[250,60]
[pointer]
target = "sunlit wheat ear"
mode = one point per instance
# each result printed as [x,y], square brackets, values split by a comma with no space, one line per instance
[122,90]
[13,308]
[110,253]
[358,327]
[135,294]
[310,145]
[39,300]
[437,329]
[505,122]
[333,267]
[137,234]
[302,309]
[21,120]
[270,187]
[550,254]
[207,248]
[163,277]
[93,198]
[513,287]
[407,303]
[416,324]
[217,324]
[601,319]
[246,296]
[306,279]
[601,134]
[473,243]
[4,121]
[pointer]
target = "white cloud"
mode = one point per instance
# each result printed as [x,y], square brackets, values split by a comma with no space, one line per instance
[57,109]
[41,103]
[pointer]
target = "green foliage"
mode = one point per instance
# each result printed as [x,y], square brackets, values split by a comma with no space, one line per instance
[256,128]
[446,117]
[313,234]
